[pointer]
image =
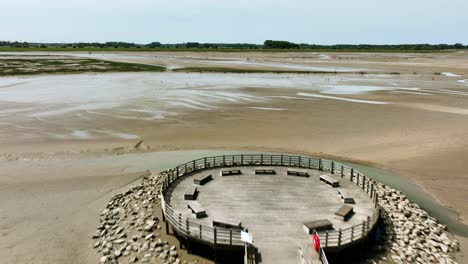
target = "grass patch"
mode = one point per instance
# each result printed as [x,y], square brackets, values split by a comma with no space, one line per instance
[27,65]
[239,70]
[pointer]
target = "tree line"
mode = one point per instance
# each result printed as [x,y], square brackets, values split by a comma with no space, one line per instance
[268,44]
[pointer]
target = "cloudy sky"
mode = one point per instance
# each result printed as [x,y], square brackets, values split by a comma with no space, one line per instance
[233,21]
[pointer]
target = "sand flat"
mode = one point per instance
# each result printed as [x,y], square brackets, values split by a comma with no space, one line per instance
[71,119]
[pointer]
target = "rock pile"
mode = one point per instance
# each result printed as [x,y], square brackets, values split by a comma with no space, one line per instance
[129,231]
[418,238]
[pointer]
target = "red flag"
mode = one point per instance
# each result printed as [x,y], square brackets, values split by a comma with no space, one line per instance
[316,240]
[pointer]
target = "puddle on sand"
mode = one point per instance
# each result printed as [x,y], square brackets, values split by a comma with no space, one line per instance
[342,99]
[267,108]
[449,74]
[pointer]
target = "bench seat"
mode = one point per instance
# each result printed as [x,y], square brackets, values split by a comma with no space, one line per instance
[345,196]
[298,172]
[318,225]
[197,209]
[329,180]
[202,179]
[230,172]
[226,222]
[191,193]
[265,171]
[345,212]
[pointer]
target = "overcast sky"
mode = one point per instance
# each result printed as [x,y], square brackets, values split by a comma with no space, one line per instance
[248,21]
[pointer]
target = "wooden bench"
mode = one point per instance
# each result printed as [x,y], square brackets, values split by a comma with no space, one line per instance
[345,212]
[230,172]
[345,196]
[191,193]
[329,180]
[226,222]
[296,172]
[318,225]
[202,179]
[265,171]
[197,209]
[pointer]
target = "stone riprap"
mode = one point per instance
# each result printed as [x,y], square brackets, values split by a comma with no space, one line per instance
[418,237]
[129,232]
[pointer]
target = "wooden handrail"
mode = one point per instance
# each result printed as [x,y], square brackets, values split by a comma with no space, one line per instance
[188,227]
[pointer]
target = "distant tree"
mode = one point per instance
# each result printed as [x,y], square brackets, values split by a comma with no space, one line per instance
[279,44]
[192,44]
[458,46]
[154,45]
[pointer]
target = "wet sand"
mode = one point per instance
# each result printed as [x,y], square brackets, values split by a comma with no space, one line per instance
[54,128]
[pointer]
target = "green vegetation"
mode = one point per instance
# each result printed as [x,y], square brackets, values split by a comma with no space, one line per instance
[28,65]
[275,44]
[240,70]
[268,46]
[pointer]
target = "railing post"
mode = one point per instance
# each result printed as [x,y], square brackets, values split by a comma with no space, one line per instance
[200,226]
[215,235]
[230,237]
[179,223]
[332,169]
[187,226]
[185,169]
[363,228]
[177,168]
[320,165]
[290,160]
[309,162]
[261,159]
[193,166]
[282,160]
[352,233]
[352,174]
[342,171]
[204,160]
[224,161]
[368,224]
[339,237]
[242,159]
[326,239]
[300,160]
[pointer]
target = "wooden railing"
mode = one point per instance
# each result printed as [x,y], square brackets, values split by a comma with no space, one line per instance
[190,228]
[231,237]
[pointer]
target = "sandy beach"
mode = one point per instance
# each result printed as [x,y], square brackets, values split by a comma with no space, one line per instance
[67,140]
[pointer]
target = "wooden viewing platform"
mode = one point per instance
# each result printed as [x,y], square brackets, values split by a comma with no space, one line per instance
[274,208]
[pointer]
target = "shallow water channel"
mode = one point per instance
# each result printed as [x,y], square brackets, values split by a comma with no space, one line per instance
[170,159]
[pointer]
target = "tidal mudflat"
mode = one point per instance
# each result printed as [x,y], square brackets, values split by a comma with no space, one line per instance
[61,134]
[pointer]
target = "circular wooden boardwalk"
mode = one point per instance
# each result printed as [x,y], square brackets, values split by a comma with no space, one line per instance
[272,207]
